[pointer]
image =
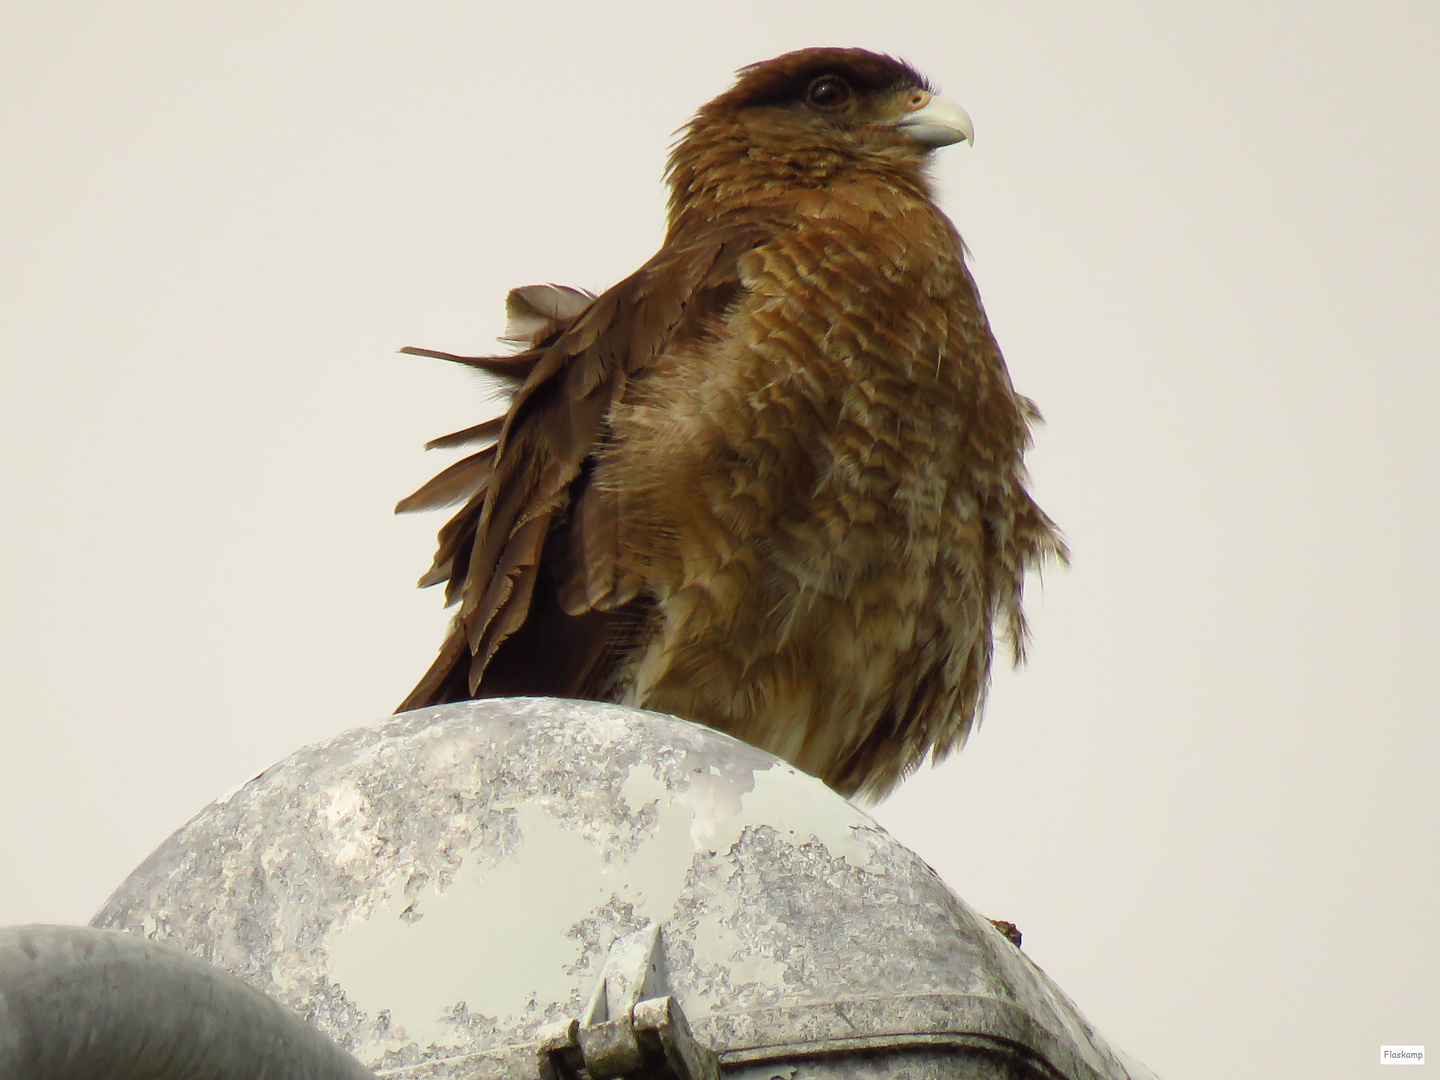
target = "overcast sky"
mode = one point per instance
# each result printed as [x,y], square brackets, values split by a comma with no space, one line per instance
[1208,236]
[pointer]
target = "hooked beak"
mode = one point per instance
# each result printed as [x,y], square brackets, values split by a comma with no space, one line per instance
[935,121]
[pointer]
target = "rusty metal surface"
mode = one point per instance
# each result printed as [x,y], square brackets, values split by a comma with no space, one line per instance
[433,890]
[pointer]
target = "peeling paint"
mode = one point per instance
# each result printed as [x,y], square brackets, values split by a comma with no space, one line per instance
[446,882]
[491,940]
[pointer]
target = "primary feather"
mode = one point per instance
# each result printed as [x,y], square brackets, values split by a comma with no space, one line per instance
[773,481]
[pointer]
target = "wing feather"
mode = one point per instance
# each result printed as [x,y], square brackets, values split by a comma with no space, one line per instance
[509,367]
[457,483]
[486,432]
[534,313]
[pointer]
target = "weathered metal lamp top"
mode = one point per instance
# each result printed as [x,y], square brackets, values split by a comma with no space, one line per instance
[454,891]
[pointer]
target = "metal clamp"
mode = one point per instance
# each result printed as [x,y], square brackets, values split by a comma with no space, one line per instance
[633,1026]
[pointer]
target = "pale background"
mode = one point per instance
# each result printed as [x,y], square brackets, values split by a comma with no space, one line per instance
[1207,237]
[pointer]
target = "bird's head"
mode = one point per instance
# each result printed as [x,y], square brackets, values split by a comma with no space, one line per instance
[806,120]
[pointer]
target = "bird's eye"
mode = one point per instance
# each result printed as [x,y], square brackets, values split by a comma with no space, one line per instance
[828,92]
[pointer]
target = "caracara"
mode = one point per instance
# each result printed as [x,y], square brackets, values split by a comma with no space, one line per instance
[773,481]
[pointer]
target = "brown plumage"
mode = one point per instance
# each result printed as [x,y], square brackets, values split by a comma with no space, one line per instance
[772,481]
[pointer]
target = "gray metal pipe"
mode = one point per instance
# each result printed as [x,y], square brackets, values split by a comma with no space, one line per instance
[84,1004]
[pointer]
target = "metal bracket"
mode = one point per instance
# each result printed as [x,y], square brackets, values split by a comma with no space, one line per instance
[633,1026]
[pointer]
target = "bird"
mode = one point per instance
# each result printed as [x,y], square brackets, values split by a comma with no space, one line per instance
[773,482]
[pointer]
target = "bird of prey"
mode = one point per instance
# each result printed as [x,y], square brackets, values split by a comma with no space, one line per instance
[773,481]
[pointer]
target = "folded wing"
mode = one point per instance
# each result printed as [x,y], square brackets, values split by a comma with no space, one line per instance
[533,555]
